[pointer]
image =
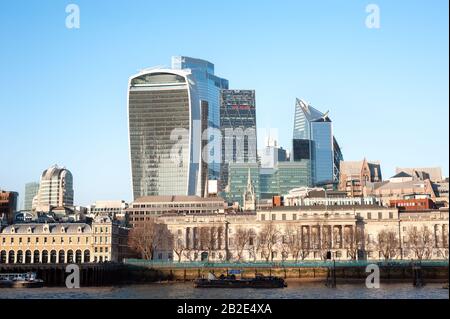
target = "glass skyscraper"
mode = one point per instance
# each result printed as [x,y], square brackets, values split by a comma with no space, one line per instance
[313,140]
[208,87]
[238,127]
[238,178]
[167,111]
[267,182]
[31,190]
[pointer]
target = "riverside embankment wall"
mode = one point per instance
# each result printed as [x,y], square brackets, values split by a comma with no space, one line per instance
[122,274]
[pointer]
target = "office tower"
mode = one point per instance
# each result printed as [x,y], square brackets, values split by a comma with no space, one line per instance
[266,182]
[238,175]
[163,106]
[313,140]
[272,154]
[168,109]
[238,127]
[8,206]
[31,190]
[283,177]
[208,87]
[55,189]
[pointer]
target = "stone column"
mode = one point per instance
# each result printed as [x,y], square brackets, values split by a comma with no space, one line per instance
[437,236]
[332,236]
[187,237]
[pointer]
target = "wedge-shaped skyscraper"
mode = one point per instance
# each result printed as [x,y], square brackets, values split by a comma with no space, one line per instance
[314,140]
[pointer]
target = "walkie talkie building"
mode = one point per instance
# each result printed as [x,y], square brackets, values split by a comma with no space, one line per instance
[168,109]
[162,108]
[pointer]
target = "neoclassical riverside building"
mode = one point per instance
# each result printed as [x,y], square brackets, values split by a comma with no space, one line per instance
[316,230]
[101,241]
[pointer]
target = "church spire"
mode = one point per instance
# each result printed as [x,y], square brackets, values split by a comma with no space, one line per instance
[249,194]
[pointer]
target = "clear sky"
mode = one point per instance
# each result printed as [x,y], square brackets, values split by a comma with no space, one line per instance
[63,91]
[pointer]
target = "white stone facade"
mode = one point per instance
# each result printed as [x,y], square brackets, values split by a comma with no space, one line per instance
[301,233]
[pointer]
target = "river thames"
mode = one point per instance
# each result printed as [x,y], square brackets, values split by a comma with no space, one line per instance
[295,290]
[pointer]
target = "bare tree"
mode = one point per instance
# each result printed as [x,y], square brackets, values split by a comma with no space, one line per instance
[209,239]
[321,239]
[369,243]
[293,244]
[188,253]
[268,239]
[353,239]
[147,237]
[388,244]
[242,238]
[441,242]
[252,246]
[179,247]
[305,247]
[420,241]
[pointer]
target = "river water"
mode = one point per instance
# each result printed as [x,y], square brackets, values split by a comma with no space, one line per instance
[295,290]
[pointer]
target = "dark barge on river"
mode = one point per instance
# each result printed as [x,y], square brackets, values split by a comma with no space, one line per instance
[230,281]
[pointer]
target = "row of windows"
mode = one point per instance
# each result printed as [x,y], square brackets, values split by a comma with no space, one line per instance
[100,249]
[176,205]
[147,213]
[380,215]
[100,229]
[294,216]
[101,240]
[53,240]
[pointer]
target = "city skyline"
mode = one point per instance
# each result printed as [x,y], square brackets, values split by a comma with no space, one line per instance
[92,141]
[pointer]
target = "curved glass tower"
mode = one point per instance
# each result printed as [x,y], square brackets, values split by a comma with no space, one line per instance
[163,107]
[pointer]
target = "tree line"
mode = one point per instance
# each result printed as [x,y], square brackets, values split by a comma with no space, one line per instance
[270,243]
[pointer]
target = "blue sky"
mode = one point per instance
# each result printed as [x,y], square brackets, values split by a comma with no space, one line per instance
[63,91]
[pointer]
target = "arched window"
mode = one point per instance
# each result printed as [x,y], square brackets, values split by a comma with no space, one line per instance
[70,256]
[11,256]
[3,257]
[36,259]
[20,257]
[78,256]
[45,257]
[28,257]
[61,256]
[53,257]
[87,256]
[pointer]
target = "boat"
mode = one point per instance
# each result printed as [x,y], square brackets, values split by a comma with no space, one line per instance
[230,281]
[27,280]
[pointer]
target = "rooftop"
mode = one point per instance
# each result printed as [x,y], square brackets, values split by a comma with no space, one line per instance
[176,199]
[325,208]
[38,228]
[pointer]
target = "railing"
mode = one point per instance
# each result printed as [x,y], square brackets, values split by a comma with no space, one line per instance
[285,264]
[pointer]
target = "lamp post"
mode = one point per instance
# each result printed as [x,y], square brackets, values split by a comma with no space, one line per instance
[227,253]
